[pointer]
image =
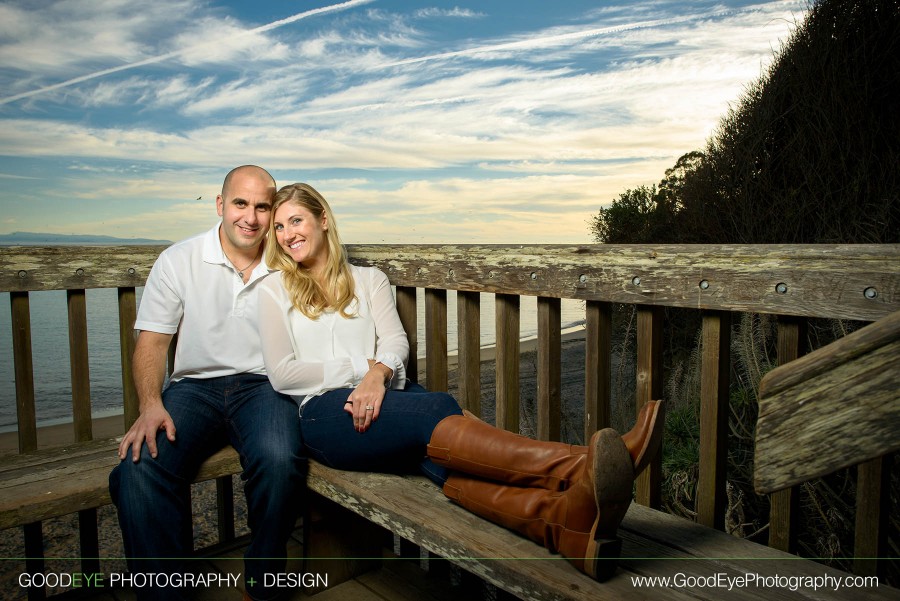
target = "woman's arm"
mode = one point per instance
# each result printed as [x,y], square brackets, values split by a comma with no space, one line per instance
[288,374]
[391,344]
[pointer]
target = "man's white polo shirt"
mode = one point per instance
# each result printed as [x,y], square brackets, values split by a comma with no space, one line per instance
[193,289]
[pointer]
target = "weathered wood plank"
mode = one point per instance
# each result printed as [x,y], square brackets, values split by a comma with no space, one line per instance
[833,408]
[649,388]
[406,308]
[819,280]
[714,389]
[506,362]
[436,368]
[840,281]
[549,375]
[873,503]
[59,481]
[127,340]
[784,505]
[597,368]
[79,365]
[468,320]
[24,370]
[75,267]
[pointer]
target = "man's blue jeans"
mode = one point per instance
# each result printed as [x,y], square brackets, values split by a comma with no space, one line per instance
[153,495]
[394,443]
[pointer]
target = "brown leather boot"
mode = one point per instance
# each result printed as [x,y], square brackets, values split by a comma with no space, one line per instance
[570,499]
[580,522]
[467,444]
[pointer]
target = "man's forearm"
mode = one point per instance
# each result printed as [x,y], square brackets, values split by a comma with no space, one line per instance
[149,367]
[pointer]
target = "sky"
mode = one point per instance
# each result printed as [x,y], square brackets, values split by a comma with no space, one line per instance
[499,121]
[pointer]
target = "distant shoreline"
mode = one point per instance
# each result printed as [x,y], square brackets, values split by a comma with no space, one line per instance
[43,239]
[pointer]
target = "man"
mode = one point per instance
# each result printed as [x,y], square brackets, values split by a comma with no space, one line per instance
[205,289]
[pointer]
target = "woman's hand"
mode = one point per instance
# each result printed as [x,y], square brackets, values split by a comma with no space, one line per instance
[364,403]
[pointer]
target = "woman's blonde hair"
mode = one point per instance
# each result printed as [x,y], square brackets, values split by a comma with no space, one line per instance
[306,294]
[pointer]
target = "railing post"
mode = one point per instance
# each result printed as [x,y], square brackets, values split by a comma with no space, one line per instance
[873,508]
[597,367]
[406,307]
[507,361]
[714,384]
[127,317]
[549,376]
[24,368]
[785,504]
[79,365]
[468,323]
[27,420]
[649,387]
[81,417]
[436,376]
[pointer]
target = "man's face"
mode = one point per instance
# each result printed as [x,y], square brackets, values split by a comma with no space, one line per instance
[245,209]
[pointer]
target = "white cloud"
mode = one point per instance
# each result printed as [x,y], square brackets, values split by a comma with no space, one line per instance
[455,12]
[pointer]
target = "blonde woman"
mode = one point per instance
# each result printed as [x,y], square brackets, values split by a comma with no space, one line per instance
[332,340]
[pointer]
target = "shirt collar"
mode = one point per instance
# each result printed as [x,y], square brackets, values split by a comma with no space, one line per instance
[212,247]
[215,254]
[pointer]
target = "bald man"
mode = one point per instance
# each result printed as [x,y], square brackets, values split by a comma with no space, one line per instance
[205,290]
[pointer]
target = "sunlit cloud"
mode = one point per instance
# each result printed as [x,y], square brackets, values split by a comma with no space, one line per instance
[207,48]
[522,133]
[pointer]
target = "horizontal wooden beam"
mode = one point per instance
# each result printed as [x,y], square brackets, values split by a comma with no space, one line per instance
[839,281]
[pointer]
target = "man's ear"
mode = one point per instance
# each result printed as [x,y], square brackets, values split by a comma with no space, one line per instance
[220,205]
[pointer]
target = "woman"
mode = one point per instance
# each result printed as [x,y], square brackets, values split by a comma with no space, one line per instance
[333,340]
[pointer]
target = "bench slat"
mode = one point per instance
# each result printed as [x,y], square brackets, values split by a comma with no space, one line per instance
[54,482]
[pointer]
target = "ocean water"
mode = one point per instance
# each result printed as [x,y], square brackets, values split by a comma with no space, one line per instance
[50,348]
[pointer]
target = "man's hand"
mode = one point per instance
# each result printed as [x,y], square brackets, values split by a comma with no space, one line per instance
[144,430]
[149,370]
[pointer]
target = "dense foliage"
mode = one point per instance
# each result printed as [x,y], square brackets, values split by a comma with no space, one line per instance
[810,154]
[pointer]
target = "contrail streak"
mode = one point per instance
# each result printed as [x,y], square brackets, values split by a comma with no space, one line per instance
[548,40]
[167,56]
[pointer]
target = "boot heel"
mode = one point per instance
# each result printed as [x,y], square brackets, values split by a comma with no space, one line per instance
[602,566]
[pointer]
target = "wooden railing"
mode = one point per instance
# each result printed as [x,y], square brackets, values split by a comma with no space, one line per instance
[853,282]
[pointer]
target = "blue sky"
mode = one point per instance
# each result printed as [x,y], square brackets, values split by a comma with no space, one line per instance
[480,122]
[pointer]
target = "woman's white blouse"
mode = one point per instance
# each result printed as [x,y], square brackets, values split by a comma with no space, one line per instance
[306,357]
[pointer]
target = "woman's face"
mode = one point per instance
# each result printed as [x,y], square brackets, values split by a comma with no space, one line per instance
[301,235]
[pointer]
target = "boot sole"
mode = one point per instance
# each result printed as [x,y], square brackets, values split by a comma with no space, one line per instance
[613,474]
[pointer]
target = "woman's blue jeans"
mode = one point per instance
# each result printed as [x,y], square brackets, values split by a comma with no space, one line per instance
[394,443]
[153,495]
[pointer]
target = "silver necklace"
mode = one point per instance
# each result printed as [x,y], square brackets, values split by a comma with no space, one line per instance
[241,271]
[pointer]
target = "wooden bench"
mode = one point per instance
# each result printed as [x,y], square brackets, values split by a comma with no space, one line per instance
[351,517]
